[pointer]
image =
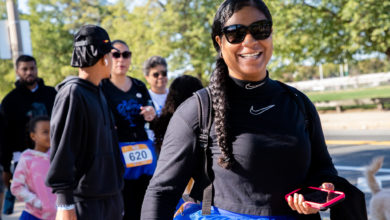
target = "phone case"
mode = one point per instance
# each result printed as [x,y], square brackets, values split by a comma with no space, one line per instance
[319,198]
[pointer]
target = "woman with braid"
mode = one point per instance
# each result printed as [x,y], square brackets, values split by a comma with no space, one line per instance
[260,146]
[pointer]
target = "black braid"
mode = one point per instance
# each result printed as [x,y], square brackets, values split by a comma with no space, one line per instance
[220,105]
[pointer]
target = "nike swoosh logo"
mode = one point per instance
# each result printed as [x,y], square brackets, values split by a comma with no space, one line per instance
[249,86]
[260,111]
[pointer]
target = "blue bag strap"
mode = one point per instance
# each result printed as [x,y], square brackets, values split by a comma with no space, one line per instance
[205,121]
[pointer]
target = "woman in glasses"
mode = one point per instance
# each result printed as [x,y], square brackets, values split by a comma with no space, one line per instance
[131,105]
[261,144]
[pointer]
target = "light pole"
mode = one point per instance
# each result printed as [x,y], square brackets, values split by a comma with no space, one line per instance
[14,30]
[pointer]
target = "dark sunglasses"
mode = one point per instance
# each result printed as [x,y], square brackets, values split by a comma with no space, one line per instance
[125,54]
[162,73]
[260,30]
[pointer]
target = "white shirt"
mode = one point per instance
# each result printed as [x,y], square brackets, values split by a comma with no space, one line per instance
[158,100]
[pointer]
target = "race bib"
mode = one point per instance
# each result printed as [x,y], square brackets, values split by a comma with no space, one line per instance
[136,155]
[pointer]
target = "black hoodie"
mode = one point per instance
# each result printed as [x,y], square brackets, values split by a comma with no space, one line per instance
[85,160]
[17,108]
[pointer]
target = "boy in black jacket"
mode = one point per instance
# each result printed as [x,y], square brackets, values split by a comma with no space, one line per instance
[86,170]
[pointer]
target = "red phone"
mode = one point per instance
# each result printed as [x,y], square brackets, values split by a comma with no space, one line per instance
[319,198]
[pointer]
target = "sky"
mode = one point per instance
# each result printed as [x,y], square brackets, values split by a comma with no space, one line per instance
[24,8]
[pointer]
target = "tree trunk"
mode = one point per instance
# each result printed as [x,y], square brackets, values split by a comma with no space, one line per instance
[388,53]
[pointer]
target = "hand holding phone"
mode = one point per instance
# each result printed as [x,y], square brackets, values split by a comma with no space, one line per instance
[318,198]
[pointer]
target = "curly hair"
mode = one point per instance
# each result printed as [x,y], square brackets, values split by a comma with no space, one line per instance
[30,128]
[181,88]
[220,75]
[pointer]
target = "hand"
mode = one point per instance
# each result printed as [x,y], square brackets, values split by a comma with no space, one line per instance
[7,176]
[297,202]
[37,203]
[148,112]
[66,214]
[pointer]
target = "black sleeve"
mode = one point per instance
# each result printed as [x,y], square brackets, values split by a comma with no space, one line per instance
[52,95]
[8,134]
[321,162]
[175,164]
[67,131]
[1,136]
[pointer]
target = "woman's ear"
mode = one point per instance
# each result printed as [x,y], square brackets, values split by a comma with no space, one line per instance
[218,39]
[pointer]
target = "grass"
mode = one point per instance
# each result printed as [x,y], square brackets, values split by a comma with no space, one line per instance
[374,92]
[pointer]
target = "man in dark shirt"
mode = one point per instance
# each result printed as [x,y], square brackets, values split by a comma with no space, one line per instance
[28,99]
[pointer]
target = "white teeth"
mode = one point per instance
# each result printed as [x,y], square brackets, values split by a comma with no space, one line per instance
[251,54]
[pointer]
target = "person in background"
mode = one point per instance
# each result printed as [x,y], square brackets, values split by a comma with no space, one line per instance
[30,98]
[129,100]
[28,183]
[260,146]
[85,168]
[156,74]
[180,89]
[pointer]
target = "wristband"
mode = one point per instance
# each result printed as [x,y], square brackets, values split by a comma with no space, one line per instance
[65,207]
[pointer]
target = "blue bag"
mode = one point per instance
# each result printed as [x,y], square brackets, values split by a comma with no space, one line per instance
[193,211]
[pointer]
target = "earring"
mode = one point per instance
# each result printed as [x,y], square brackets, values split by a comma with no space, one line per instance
[105,62]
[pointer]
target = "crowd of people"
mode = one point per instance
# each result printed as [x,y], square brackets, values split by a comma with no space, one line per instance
[101,145]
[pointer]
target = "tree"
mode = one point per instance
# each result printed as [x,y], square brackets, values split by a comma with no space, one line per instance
[178,30]
[190,34]
[330,30]
[369,25]
[53,24]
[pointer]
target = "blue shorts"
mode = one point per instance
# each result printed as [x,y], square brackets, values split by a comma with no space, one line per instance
[27,216]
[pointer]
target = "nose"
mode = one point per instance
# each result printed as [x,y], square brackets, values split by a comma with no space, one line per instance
[30,71]
[248,40]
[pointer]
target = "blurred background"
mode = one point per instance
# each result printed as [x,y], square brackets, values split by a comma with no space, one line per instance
[339,49]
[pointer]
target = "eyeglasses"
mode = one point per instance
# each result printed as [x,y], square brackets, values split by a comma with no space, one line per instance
[260,30]
[125,54]
[157,74]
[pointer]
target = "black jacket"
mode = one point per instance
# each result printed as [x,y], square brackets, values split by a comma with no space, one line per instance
[85,162]
[273,152]
[17,108]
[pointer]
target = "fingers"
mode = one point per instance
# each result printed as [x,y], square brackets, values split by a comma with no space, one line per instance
[148,112]
[297,203]
[328,186]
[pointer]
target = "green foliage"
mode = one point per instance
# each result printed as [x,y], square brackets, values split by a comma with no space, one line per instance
[7,77]
[328,31]
[377,92]
[3,10]
[178,30]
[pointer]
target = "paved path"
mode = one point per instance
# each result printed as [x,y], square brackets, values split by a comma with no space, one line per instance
[364,120]
[17,211]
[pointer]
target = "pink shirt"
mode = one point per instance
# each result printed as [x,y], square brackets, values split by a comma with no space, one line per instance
[28,184]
